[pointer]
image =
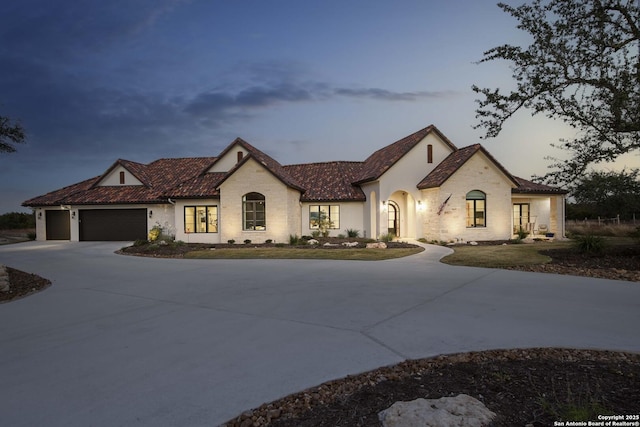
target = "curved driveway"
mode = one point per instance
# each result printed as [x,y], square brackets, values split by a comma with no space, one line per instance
[122,341]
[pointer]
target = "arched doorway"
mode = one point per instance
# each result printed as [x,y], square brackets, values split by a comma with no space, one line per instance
[394,219]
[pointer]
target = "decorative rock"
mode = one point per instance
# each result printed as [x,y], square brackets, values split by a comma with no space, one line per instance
[462,410]
[473,243]
[350,244]
[377,245]
[330,244]
[313,242]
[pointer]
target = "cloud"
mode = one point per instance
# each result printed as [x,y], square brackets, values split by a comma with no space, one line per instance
[386,95]
[220,102]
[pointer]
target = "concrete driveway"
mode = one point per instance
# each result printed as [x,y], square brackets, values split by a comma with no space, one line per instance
[122,341]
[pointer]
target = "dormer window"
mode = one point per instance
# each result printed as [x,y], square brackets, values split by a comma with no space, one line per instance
[429,153]
[122,178]
[240,156]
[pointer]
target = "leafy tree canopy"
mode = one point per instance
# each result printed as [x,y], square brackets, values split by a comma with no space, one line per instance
[582,67]
[10,134]
[608,194]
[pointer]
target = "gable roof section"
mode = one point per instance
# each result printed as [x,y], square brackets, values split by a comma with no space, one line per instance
[157,177]
[328,181]
[382,160]
[265,160]
[441,173]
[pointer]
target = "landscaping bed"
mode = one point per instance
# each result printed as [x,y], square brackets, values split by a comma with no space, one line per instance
[180,249]
[22,284]
[524,387]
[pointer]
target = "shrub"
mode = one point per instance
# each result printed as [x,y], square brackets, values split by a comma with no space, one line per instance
[231,241]
[154,233]
[31,235]
[268,241]
[315,234]
[294,239]
[247,241]
[589,243]
[522,234]
[352,232]
[140,242]
[341,236]
[387,237]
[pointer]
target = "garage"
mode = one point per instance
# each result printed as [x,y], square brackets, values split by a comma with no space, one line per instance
[58,225]
[113,224]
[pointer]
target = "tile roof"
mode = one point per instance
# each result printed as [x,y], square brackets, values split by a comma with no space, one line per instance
[329,181]
[202,186]
[268,162]
[526,186]
[453,162]
[380,161]
[156,177]
[326,181]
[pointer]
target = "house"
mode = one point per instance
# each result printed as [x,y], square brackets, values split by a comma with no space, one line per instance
[419,186]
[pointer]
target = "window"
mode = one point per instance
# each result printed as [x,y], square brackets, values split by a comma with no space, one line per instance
[429,153]
[240,155]
[324,216]
[254,212]
[476,209]
[201,219]
[122,178]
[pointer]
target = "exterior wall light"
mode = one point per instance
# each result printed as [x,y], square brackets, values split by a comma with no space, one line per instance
[150,214]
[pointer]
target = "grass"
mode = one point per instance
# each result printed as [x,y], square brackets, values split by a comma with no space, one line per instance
[293,253]
[500,256]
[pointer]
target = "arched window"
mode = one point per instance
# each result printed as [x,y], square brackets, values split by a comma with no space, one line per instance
[476,209]
[254,212]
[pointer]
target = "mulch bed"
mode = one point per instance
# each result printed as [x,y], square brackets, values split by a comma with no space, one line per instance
[22,284]
[174,250]
[532,387]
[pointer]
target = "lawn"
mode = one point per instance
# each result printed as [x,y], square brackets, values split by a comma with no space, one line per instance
[501,256]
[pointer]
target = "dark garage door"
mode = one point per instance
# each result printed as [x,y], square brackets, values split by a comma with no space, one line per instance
[58,225]
[113,224]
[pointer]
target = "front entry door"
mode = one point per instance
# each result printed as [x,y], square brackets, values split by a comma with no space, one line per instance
[394,219]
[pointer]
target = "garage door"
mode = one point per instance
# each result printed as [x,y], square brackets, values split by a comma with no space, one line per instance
[58,225]
[113,224]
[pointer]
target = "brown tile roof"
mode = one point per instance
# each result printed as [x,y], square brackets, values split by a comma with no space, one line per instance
[329,181]
[526,186]
[56,197]
[272,165]
[156,177]
[202,186]
[380,161]
[453,162]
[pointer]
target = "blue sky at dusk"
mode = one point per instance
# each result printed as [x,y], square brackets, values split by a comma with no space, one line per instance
[304,81]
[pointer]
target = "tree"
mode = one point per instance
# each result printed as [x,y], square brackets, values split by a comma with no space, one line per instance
[607,194]
[10,134]
[582,67]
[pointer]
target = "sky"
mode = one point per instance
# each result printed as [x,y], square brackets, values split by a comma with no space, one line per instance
[93,81]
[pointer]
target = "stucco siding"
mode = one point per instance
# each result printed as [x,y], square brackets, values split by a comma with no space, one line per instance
[351,215]
[113,178]
[226,163]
